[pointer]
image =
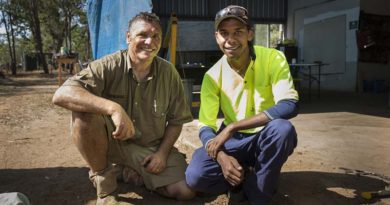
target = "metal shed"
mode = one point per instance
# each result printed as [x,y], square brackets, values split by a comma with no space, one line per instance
[264,11]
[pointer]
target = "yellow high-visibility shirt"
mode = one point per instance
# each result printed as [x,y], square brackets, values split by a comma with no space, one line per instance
[267,81]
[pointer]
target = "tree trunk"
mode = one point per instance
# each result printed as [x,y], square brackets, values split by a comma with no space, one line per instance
[70,31]
[11,40]
[66,31]
[13,62]
[36,29]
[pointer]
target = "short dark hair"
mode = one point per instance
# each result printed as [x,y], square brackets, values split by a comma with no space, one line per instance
[145,16]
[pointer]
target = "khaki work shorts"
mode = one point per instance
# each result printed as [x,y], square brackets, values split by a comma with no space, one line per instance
[131,155]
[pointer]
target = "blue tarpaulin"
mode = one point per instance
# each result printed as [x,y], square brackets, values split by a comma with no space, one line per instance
[108,22]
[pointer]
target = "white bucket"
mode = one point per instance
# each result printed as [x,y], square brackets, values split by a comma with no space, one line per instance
[63,51]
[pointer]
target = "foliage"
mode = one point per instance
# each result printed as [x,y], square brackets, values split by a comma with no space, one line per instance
[276,33]
[261,35]
[60,23]
[9,19]
[268,35]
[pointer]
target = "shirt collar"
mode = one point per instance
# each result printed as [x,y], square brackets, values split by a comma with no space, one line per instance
[153,69]
[226,63]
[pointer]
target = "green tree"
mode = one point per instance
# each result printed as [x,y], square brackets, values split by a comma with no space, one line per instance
[65,24]
[30,13]
[81,38]
[261,35]
[43,27]
[8,20]
[276,33]
[71,10]
[53,26]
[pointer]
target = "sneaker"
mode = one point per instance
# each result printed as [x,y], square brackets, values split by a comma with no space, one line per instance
[237,194]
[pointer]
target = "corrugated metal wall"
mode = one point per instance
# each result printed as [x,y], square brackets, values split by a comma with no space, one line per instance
[183,8]
[262,11]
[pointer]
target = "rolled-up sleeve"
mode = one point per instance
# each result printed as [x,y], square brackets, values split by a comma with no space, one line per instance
[179,111]
[91,78]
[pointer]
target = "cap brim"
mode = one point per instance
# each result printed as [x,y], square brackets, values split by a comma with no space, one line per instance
[226,17]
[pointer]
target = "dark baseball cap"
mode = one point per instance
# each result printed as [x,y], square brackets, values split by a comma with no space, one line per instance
[233,11]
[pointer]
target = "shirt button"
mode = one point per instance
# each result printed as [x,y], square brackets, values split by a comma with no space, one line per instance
[133,120]
[136,103]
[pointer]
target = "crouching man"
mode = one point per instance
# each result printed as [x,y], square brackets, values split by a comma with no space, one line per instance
[128,108]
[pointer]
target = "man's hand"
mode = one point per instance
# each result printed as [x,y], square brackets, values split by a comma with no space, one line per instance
[215,145]
[231,169]
[124,128]
[155,163]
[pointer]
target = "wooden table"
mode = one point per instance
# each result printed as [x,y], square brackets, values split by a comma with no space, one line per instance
[63,60]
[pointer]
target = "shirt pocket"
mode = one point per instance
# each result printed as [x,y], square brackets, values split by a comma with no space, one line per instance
[159,108]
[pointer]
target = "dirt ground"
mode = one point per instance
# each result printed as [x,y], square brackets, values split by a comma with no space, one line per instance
[338,135]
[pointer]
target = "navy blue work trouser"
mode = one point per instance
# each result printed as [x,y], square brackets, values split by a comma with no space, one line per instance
[265,151]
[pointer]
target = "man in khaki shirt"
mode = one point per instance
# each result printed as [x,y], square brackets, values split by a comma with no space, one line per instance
[128,109]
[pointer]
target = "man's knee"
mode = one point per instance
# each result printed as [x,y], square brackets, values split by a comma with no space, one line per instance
[86,123]
[192,177]
[84,120]
[194,172]
[90,137]
[283,134]
[283,127]
[178,190]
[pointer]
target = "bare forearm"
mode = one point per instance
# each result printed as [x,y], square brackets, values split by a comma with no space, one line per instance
[80,100]
[172,132]
[252,122]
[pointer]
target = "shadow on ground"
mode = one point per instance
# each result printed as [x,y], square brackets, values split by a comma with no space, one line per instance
[29,79]
[310,187]
[375,104]
[28,84]
[45,185]
[70,185]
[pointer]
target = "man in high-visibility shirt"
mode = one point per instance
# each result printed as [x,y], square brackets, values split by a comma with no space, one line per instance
[253,87]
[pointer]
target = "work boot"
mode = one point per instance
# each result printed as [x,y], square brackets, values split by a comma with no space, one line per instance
[104,181]
[237,194]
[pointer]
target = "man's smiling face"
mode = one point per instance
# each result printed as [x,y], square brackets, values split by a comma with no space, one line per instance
[144,39]
[232,37]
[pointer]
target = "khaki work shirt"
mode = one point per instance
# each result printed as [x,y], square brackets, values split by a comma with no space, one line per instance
[151,104]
